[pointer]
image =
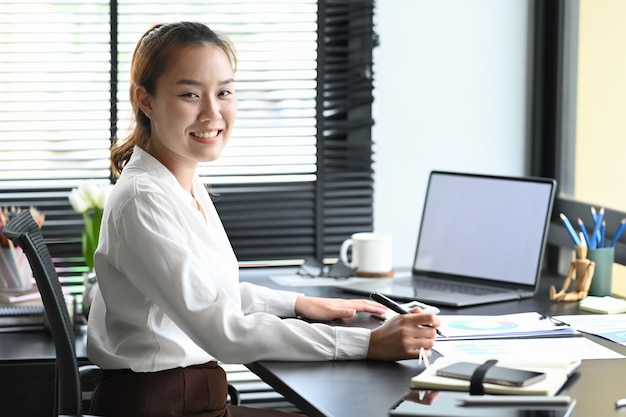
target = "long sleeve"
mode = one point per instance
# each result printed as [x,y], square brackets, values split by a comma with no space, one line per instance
[170,293]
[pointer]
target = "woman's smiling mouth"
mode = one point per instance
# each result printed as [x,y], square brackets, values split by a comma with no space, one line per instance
[206,135]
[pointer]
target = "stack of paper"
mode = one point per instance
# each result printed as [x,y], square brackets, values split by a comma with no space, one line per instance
[503,326]
[608,326]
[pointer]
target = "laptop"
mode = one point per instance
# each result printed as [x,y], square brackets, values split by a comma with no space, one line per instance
[482,240]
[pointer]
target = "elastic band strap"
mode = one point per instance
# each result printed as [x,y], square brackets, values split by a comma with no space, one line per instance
[476,382]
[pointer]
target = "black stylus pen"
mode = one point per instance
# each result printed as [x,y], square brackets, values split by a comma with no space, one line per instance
[392,305]
[388,302]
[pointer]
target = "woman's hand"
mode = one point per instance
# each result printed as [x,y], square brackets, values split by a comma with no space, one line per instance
[326,309]
[402,336]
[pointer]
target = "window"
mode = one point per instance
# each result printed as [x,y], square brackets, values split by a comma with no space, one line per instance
[579,110]
[294,181]
[599,124]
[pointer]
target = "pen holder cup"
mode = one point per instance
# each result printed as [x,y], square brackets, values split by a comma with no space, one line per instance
[15,272]
[603,274]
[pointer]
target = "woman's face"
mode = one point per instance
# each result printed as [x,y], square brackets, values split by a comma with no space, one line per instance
[193,110]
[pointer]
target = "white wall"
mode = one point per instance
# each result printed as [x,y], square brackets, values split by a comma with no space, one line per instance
[450,94]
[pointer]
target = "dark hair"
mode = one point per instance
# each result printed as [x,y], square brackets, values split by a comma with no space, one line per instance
[153,54]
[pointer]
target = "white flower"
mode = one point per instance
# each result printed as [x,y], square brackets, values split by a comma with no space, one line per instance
[79,203]
[102,195]
[89,200]
[89,195]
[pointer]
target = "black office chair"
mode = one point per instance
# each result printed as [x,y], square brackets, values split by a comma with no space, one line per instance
[24,232]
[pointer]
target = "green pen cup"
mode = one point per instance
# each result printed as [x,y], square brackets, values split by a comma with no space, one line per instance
[603,274]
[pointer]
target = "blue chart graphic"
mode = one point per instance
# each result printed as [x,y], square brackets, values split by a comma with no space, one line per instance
[619,337]
[486,324]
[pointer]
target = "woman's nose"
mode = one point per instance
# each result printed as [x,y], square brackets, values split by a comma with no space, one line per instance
[210,110]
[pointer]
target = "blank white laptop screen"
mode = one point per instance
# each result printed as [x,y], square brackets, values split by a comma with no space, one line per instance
[487,228]
[487,232]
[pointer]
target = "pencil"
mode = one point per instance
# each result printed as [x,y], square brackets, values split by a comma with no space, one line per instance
[585,234]
[618,233]
[570,229]
[596,229]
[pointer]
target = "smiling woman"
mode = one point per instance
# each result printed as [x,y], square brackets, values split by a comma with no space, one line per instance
[192,117]
[170,304]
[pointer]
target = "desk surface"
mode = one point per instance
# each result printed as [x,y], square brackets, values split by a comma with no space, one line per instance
[35,346]
[370,388]
[342,388]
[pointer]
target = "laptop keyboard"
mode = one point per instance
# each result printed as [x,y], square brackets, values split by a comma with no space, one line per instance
[455,287]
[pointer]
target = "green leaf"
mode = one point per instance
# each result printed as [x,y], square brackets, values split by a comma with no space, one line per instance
[91,234]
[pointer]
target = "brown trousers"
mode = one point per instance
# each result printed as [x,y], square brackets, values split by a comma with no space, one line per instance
[198,391]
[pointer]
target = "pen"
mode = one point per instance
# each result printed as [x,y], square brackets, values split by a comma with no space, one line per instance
[388,302]
[392,305]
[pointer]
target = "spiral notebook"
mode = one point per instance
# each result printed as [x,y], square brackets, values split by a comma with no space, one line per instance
[482,239]
[16,317]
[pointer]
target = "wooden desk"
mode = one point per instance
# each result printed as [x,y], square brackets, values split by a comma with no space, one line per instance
[370,388]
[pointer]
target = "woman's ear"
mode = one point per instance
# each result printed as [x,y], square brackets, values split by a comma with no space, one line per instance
[143,101]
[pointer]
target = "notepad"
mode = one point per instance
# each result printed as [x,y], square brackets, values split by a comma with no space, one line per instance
[603,305]
[557,372]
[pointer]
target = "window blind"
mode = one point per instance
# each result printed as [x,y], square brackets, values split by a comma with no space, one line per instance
[311,219]
[295,178]
[54,83]
[54,114]
[274,137]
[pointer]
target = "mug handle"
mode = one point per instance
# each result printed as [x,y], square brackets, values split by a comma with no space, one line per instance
[343,253]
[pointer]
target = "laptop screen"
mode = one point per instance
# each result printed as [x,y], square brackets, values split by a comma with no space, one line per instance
[484,227]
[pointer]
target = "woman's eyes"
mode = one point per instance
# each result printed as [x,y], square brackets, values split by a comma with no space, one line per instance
[223,93]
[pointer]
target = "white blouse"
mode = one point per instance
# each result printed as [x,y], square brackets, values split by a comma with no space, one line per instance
[169,291]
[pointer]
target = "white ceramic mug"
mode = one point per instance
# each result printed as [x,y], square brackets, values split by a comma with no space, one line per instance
[371,254]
